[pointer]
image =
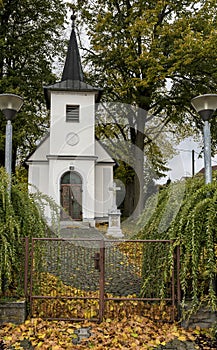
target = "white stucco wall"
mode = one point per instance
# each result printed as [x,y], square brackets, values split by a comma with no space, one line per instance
[96,179]
[60,129]
[55,155]
[41,151]
[39,167]
[38,177]
[86,170]
[102,155]
[104,179]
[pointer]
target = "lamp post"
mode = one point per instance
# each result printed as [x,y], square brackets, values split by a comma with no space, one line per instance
[10,104]
[206,105]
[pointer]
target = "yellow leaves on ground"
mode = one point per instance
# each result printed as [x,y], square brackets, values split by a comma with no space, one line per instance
[135,332]
[123,328]
[85,304]
[132,251]
[89,309]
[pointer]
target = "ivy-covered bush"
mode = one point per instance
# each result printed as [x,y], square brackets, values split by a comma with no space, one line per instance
[21,215]
[186,212]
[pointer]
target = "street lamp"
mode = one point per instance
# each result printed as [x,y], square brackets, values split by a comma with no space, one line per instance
[10,104]
[206,105]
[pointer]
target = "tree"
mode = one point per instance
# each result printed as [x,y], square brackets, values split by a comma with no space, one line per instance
[112,127]
[155,56]
[30,39]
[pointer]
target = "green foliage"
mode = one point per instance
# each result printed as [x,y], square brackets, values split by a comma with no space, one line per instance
[155,56]
[137,47]
[21,215]
[21,174]
[186,212]
[30,40]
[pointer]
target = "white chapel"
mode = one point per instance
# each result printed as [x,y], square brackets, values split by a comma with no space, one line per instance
[69,164]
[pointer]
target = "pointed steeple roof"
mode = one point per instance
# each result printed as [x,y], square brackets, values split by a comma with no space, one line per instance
[72,77]
[73,69]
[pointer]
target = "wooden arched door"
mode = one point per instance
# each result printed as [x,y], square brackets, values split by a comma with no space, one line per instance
[71,196]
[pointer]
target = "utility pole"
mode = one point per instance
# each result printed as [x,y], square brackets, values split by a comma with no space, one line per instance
[193,162]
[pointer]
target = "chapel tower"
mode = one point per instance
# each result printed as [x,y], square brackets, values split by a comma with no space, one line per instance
[76,168]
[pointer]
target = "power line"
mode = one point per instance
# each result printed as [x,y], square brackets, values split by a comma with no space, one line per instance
[186,150]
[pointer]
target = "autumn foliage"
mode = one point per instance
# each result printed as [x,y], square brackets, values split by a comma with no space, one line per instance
[133,333]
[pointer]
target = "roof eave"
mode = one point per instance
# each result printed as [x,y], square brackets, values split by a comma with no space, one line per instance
[71,85]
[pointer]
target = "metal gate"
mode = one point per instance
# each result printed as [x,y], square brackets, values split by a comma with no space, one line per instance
[78,279]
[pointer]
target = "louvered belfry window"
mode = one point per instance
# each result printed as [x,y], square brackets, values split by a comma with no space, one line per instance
[72,113]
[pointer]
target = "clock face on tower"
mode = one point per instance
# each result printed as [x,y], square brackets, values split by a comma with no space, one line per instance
[72,139]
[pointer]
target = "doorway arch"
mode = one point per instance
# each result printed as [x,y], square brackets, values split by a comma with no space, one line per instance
[71,196]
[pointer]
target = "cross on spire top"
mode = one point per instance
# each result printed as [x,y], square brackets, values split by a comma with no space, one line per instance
[73,69]
[73,18]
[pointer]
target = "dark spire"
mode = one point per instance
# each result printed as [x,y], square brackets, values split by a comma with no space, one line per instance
[73,69]
[72,78]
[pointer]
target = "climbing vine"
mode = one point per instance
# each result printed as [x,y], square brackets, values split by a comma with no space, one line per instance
[21,215]
[185,212]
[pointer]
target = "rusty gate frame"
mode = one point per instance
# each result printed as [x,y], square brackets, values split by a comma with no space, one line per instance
[28,282]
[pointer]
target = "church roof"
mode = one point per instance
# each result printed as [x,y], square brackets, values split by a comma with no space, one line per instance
[73,68]
[73,85]
[72,77]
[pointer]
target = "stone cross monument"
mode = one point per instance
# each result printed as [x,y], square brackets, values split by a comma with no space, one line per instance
[114,190]
[114,228]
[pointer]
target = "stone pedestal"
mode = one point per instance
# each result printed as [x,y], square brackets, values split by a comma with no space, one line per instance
[203,318]
[12,312]
[114,228]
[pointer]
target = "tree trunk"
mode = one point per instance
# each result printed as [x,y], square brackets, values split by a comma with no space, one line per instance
[139,165]
[134,198]
[129,200]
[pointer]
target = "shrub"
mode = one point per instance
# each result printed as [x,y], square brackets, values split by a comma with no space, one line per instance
[186,212]
[21,215]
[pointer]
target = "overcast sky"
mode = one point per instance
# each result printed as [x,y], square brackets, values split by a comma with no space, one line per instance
[181,164]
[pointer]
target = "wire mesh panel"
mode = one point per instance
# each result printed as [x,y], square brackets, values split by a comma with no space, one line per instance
[74,279]
[133,284]
[123,268]
[64,279]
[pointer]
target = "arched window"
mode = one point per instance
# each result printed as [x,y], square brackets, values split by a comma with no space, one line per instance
[71,178]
